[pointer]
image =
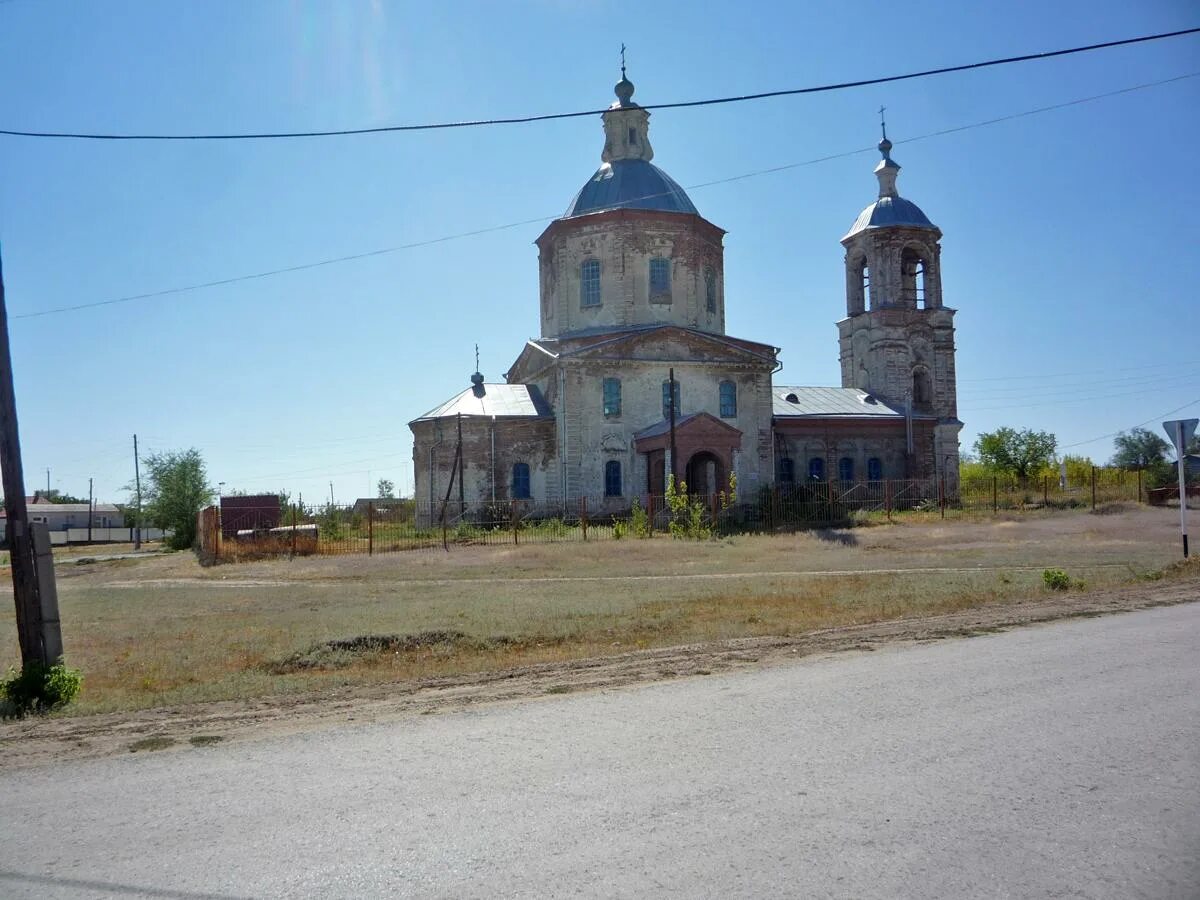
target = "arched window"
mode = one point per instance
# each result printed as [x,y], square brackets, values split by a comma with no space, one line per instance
[922,389]
[612,478]
[660,277]
[857,285]
[874,469]
[865,286]
[845,469]
[710,289]
[728,400]
[912,278]
[666,400]
[520,481]
[589,283]
[787,470]
[612,396]
[816,469]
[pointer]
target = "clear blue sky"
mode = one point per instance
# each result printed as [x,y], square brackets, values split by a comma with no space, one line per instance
[1070,249]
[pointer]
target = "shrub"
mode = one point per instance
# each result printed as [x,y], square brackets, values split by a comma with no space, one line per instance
[39,689]
[1056,579]
[639,520]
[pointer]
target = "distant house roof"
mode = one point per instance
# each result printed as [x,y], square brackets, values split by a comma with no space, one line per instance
[799,402]
[41,509]
[500,400]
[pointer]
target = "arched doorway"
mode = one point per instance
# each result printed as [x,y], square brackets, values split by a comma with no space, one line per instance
[705,474]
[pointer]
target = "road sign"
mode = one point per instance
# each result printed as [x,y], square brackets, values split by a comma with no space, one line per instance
[1181,438]
[1181,432]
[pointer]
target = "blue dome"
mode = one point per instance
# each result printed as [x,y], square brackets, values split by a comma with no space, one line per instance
[630,184]
[890,211]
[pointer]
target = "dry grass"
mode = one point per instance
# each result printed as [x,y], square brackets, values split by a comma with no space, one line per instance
[164,631]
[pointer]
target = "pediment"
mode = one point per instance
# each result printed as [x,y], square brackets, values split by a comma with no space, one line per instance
[669,343]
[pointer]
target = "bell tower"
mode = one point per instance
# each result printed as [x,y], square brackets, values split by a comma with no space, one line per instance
[897,340]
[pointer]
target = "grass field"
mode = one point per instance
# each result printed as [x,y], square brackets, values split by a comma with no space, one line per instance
[164,631]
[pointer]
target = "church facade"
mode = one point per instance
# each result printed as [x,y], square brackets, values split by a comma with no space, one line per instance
[634,376]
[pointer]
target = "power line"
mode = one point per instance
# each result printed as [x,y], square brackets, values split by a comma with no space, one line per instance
[540,219]
[518,120]
[1169,412]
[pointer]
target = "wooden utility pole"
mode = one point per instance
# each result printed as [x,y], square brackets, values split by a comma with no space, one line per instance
[89,510]
[20,541]
[137,516]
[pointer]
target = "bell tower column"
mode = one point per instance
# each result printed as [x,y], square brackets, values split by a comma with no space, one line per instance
[897,340]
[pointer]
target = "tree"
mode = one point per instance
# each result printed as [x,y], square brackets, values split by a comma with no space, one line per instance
[1139,448]
[1018,452]
[56,496]
[387,489]
[174,490]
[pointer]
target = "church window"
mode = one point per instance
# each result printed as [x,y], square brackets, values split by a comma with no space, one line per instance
[612,478]
[816,469]
[922,389]
[589,283]
[666,400]
[866,286]
[912,278]
[633,136]
[874,469]
[728,400]
[612,396]
[787,470]
[660,276]
[710,290]
[520,481]
[845,469]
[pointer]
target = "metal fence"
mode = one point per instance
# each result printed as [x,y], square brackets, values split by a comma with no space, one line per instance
[386,526]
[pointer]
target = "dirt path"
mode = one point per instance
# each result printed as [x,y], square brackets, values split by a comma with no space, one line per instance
[34,742]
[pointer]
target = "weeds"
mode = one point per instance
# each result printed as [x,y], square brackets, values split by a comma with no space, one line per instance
[38,689]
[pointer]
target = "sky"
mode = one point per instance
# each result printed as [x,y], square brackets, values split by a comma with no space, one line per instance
[1071,245]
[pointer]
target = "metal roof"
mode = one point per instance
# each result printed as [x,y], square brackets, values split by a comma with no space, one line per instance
[500,400]
[630,184]
[890,211]
[828,401]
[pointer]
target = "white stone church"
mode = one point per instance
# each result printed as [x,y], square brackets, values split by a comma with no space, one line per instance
[633,294]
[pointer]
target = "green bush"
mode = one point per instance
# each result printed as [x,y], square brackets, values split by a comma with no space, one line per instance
[1056,579]
[39,689]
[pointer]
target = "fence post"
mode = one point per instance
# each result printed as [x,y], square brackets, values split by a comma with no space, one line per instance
[513,512]
[1093,487]
[1139,471]
[293,556]
[1045,491]
[995,496]
[583,515]
[370,528]
[887,498]
[942,495]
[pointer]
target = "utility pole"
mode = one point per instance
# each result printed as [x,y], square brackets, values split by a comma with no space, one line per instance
[47,484]
[331,494]
[671,392]
[89,510]
[20,541]
[137,482]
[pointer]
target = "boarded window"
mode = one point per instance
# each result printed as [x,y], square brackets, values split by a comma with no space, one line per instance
[846,469]
[612,478]
[710,290]
[612,396]
[520,481]
[874,469]
[589,283]
[728,400]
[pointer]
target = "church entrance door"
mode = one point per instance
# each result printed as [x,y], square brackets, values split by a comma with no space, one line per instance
[705,474]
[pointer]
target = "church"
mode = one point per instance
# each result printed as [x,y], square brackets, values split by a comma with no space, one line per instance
[634,376]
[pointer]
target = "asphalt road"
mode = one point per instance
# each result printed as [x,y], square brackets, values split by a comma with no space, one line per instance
[1056,761]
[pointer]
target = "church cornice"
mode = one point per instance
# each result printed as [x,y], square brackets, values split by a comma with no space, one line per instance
[632,217]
